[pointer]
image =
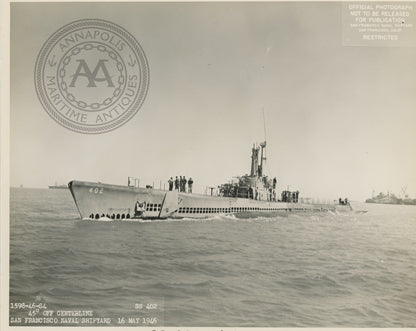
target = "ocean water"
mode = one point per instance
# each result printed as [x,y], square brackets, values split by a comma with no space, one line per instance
[302,270]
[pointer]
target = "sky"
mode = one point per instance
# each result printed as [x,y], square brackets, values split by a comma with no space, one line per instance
[340,120]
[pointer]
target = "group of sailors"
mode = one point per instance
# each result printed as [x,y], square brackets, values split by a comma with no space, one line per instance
[344,202]
[255,194]
[288,196]
[180,184]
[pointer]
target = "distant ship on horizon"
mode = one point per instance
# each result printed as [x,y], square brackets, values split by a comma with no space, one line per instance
[391,199]
[56,186]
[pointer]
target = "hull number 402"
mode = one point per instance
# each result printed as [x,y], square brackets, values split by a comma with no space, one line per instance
[97,190]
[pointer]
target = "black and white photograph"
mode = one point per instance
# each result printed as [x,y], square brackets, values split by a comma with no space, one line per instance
[225,165]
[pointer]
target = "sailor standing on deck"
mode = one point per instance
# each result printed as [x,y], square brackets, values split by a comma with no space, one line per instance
[183,184]
[170,181]
[176,183]
[190,182]
[180,184]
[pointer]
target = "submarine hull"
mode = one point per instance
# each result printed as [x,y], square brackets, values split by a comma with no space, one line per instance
[116,202]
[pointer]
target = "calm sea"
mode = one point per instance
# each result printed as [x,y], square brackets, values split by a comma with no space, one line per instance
[307,270]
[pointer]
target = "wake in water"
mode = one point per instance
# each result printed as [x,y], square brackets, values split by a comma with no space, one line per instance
[140,220]
[225,218]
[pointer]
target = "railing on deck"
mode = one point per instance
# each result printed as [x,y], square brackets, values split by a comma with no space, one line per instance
[211,190]
[311,201]
[148,183]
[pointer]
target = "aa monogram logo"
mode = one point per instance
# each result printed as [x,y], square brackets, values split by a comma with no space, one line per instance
[91,76]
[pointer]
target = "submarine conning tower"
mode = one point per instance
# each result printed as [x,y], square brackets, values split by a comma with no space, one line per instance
[255,186]
[256,168]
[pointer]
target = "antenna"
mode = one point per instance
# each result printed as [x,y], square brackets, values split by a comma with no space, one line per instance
[264,125]
[263,145]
